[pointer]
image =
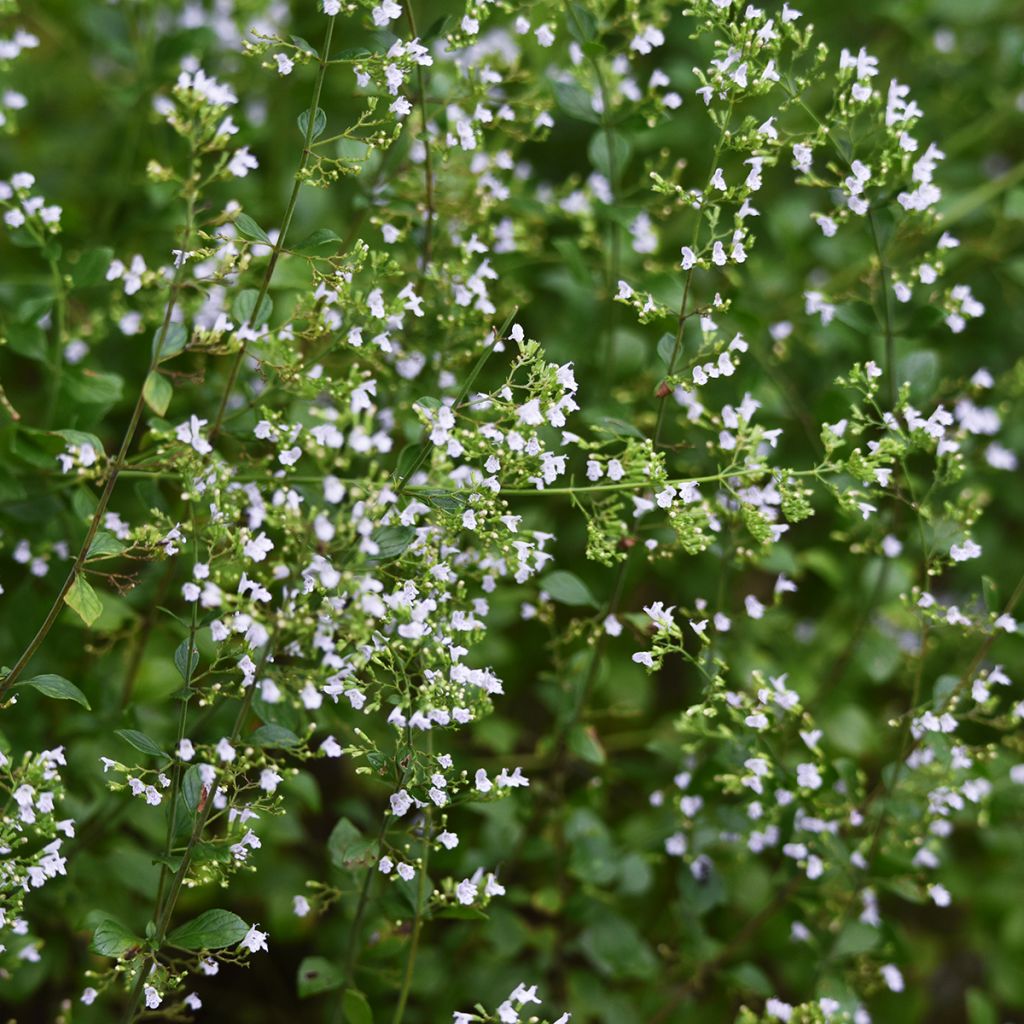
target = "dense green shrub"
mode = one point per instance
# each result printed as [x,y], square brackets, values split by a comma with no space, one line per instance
[510,511]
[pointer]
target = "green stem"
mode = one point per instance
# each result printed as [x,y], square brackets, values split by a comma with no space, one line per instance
[417,923]
[59,335]
[285,223]
[683,315]
[428,169]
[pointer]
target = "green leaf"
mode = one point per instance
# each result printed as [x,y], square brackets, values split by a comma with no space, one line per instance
[27,340]
[80,437]
[243,309]
[91,268]
[213,929]
[84,600]
[609,152]
[140,741]
[348,847]
[854,939]
[316,975]
[170,343]
[575,101]
[322,242]
[57,687]
[619,427]
[666,346]
[111,938]
[304,44]
[581,23]
[584,743]
[319,124]
[181,660]
[272,735]
[157,391]
[991,589]
[567,588]
[392,541]
[248,228]
[104,545]
[355,1007]
[617,949]
[92,387]
[192,787]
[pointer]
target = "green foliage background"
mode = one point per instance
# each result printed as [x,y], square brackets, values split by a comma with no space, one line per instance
[594,913]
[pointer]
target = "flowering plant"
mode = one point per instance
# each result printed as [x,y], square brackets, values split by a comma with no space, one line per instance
[527,487]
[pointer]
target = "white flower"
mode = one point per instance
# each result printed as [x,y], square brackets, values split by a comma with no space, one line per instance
[190,433]
[153,997]
[254,940]
[242,162]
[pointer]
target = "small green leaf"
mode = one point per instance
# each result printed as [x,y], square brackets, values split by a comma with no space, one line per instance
[192,787]
[581,23]
[213,929]
[584,743]
[157,391]
[248,228]
[392,541]
[92,387]
[319,124]
[567,588]
[181,660]
[140,741]
[304,44]
[991,589]
[666,348]
[316,975]
[91,268]
[57,687]
[27,340]
[80,437]
[243,309]
[322,242]
[84,600]
[111,938]
[104,545]
[169,343]
[609,152]
[356,1008]
[348,847]
[272,735]
[575,101]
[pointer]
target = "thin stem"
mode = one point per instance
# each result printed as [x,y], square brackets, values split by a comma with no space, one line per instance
[118,464]
[428,169]
[165,912]
[886,276]
[285,223]
[417,923]
[683,315]
[606,488]
[614,171]
[59,334]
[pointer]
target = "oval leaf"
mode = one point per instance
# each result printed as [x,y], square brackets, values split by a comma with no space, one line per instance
[567,588]
[392,541]
[248,228]
[157,391]
[140,741]
[57,687]
[316,975]
[213,929]
[111,938]
[84,600]
[319,124]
